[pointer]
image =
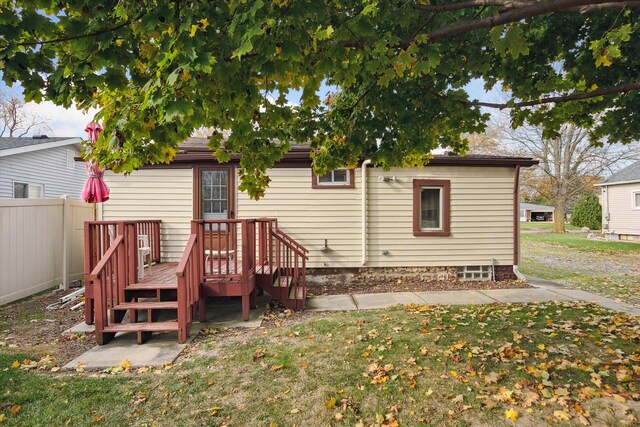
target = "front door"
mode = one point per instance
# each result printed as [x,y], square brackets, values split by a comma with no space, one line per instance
[215,190]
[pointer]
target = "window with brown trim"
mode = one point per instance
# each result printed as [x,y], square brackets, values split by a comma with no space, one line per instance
[338,178]
[431,207]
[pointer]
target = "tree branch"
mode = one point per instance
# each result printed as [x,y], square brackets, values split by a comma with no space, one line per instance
[559,99]
[81,36]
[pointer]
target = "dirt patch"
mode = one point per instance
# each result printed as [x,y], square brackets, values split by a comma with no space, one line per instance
[28,326]
[354,283]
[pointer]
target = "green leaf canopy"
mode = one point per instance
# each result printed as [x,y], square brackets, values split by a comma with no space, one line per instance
[160,69]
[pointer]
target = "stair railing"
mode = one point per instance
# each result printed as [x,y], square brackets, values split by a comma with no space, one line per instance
[113,273]
[189,277]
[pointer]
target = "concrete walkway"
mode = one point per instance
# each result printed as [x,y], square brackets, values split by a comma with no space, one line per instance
[542,291]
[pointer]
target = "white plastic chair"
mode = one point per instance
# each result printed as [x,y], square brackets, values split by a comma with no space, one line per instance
[144,251]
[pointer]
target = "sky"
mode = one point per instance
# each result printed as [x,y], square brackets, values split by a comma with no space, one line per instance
[71,122]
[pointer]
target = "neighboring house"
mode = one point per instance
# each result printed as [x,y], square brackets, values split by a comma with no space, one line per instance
[38,167]
[530,212]
[620,200]
[457,212]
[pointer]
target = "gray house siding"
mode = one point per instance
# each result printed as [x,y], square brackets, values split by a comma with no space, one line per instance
[48,167]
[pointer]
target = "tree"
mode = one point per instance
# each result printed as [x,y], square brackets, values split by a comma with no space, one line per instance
[159,69]
[569,164]
[15,121]
[587,212]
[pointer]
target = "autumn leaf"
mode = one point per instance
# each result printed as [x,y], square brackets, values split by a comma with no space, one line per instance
[15,364]
[258,354]
[511,414]
[276,368]
[126,365]
[98,418]
[562,415]
[15,409]
[330,403]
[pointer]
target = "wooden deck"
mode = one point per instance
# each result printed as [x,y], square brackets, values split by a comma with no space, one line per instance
[164,272]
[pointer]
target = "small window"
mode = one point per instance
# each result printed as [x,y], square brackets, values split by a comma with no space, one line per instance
[23,190]
[339,178]
[636,200]
[431,207]
[20,190]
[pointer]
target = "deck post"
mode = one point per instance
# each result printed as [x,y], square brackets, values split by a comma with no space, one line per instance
[88,285]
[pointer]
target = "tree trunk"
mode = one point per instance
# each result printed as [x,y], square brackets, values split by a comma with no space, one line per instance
[558,219]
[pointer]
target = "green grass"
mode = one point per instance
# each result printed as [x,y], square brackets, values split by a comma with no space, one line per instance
[544,226]
[433,365]
[580,243]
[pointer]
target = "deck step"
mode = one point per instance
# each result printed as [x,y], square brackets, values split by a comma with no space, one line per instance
[151,286]
[282,282]
[147,305]
[142,327]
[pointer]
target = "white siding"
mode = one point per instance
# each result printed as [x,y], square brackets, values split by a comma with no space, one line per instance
[481,217]
[312,215]
[165,194]
[623,218]
[48,167]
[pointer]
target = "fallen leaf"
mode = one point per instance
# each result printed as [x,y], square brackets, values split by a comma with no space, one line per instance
[126,365]
[330,403]
[15,364]
[276,368]
[338,416]
[511,414]
[295,411]
[98,418]
[15,409]
[561,415]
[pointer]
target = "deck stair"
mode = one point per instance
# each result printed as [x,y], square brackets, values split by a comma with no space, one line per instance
[221,258]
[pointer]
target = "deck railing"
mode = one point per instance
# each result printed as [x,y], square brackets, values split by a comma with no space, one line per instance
[189,276]
[113,273]
[98,238]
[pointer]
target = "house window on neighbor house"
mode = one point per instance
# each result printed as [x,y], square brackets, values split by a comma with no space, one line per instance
[23,190]
[636,200]
[431,207]
[338,178]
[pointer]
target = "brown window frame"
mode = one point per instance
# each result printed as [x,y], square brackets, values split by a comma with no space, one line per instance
[351,183]
[445,185]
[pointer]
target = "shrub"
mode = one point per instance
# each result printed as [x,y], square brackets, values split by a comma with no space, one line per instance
[587,212]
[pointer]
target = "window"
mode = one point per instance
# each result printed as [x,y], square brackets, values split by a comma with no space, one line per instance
[474,272]
[23,190]
[431,207]
[339,178]
[636,200]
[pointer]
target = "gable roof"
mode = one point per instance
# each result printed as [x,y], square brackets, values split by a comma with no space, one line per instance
[627,175]
[11,146]
[534,207]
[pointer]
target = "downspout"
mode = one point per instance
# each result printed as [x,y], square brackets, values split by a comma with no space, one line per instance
[516,223]
[364,210]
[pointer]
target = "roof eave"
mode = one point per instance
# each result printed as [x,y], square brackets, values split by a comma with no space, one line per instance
[39,147]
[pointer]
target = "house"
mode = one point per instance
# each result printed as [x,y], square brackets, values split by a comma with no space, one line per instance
[456,212]
[530,212]
[458,217]
[620,200]
[40,166]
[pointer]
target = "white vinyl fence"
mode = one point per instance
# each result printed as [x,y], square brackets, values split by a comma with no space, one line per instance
[41,244]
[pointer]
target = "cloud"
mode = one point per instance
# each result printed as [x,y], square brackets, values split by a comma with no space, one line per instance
[62,122]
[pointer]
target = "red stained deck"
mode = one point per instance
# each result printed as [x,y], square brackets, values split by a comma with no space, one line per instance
[164,272]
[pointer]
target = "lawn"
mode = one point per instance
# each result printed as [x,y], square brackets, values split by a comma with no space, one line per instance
[566,363]
[544,226]
[607,268]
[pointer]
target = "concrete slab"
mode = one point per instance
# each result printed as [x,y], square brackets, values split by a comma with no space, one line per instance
[331,303]
[80,328]
[371,301]
[525,295]
[227,316]
[454,297]
[543,283]
[161,349]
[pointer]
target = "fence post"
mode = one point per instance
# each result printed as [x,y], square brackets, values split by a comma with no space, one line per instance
[67,229]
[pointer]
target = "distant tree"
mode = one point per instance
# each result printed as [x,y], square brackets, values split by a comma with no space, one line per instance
[569,164]
[15,120]
[587,212]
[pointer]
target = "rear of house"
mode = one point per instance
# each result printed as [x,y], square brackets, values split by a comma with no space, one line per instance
[457,216]
[620,200]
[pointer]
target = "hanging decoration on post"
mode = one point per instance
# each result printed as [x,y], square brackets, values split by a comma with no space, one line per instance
[95,190]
